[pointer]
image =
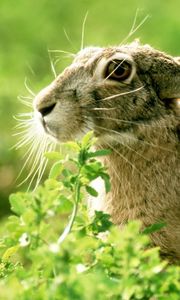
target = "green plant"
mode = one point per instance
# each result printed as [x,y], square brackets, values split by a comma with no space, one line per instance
[91,258]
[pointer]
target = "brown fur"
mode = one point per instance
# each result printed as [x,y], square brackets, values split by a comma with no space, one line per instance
[141,126]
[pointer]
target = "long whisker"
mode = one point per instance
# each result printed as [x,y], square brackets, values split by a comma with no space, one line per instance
[28,98]
[23,132]
[52,64]
[28,89]
[83,30]
[100,108]
[122,94]
[115,96]
[68,38]
[43,165]
[62,51]
[26,103]
[42,161]
[37,159]
[134,28]
[125,121]
[29,114]
[21,120]
[28,155]
[24,141]
[23,125]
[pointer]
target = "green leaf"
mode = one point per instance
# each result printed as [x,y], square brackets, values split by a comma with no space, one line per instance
[107,182]
[82,157]
[91,191]
[154,227]
[53,155]
[67,173]
[65,205]
[73,146]
[56,170]
[101,222]
[53,184]
[17,205]
[9,252]
[94,167]
[87,139]
[97,153]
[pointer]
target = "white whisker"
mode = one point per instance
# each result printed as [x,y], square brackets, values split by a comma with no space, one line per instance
[22,120]
[26,103]
[122,94]
[21,132]
[27,98]
[52,65]
[42,161]
[56,61]
[29,114]
[68,38]
[103,108]
[83,30]
[62,51]
[24,141]
[134,28]
[44,165]
[29,154]
[23,125]
[113,97]
[28,89]
[127,121]
[36,161]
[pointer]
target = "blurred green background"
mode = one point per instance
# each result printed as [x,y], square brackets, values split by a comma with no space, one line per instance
[28,28]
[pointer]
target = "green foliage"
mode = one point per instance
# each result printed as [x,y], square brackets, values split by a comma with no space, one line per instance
[90,258]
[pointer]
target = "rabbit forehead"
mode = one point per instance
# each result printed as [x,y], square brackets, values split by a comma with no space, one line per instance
[97,58]
[86,54]
[90,54]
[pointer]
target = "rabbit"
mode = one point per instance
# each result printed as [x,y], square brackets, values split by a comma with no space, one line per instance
[129,95]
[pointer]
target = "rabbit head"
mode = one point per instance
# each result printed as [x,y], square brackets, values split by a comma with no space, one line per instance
[114,88]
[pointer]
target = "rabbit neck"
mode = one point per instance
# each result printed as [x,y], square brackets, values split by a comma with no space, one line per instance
[143,178]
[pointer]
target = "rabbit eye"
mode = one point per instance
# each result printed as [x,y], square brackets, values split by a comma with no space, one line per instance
[118,70]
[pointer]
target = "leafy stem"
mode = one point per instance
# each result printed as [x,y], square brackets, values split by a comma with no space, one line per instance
[68,228]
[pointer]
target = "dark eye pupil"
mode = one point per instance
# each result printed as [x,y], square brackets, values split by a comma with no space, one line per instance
[119,70]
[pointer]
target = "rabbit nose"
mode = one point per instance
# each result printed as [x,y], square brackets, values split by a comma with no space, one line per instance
[45,101]
[46,110]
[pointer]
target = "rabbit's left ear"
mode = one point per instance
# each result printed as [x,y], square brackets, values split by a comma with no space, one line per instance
[167,79]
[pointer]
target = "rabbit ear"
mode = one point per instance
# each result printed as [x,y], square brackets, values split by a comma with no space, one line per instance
[166,77]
